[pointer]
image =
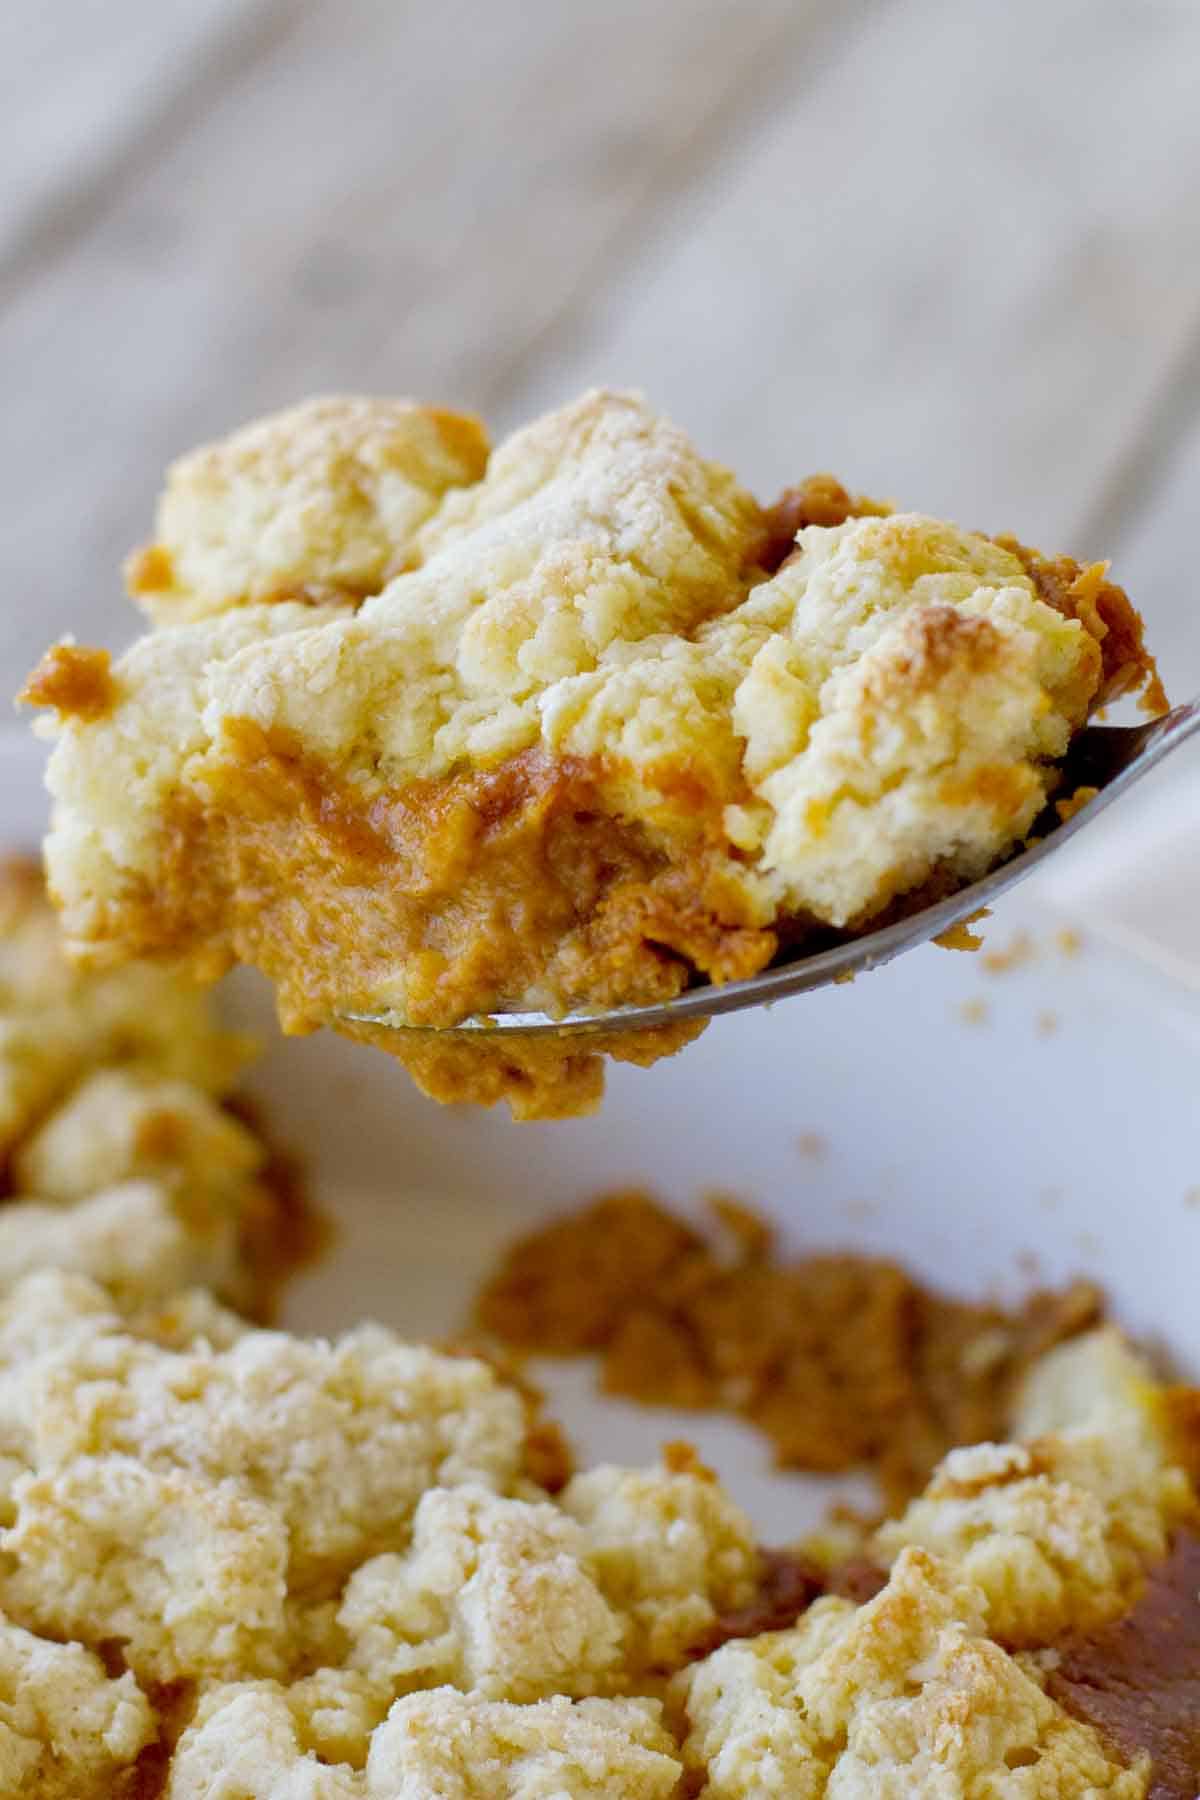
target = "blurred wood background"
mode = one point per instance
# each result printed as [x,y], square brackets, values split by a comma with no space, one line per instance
[949,250]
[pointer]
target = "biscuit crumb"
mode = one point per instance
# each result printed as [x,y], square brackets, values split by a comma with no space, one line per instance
[1019,951]
[1083,1505]
[1074,803]
[960,935]
[814,1145]
[905,1695]
[149,570]
[76,681]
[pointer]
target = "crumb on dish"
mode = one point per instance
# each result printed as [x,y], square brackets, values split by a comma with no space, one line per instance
[1016,954]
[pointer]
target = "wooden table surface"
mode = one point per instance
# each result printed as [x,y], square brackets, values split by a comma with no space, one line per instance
[948,248]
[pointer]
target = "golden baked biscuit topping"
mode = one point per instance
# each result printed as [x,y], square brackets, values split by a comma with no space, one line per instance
[437,734]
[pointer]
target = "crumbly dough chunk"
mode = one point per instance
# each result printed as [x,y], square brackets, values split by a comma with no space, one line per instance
[67,1731]
[336,1710]
[45,1313]
[125,1162]
[521,1601]
[1057,1532]
[671,1550]
[902,1698]
[325,498]
[885,706]
[187,1575]
[138,1013]
[901,716]
[587,630]
[267,1470]
[131,1238]
[126,765]
[58,1022]
[121,1123]
[246,1741]
[145,1183]
[496,1595]
[1096,1383]
[445,1746]
[435,1746]
[51,1314]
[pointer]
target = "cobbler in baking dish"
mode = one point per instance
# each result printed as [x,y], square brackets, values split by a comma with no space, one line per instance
[236,1561]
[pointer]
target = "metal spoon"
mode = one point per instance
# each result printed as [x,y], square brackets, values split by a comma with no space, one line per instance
[1109,758]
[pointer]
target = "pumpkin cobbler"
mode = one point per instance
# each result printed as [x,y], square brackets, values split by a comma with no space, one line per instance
[241,1564]
[436,732]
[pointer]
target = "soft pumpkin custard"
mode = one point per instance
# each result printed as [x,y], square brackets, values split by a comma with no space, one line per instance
[426,730]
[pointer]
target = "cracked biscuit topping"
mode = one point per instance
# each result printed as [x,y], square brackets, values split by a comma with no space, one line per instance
[426,731]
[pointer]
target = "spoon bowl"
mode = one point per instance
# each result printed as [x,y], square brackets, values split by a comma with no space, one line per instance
[1109,758]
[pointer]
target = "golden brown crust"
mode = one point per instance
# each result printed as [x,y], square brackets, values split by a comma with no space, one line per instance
[325,498]
[76,680]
